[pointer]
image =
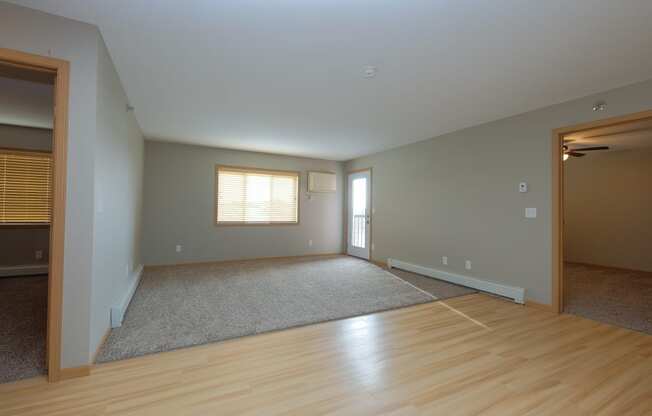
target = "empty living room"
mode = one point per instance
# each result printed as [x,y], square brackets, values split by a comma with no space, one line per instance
[325,207]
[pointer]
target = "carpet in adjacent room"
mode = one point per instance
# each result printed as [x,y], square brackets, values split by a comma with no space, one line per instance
[23,323]
[613,296]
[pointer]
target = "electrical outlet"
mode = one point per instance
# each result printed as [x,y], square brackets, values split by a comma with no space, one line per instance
[179,248]
[309,243]
[467,265]
[444,260]
[38,254]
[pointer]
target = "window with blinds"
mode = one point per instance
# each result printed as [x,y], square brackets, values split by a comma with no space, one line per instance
[25,187]
[256,196]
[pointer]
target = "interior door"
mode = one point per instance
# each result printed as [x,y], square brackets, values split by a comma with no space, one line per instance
[359,214]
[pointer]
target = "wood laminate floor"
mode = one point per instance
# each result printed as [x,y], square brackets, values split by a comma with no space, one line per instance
[469,355]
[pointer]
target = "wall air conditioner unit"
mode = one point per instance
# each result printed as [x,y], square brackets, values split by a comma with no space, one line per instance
[323,182]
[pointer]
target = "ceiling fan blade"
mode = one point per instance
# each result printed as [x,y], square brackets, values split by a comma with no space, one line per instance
[575,154]
[588,149]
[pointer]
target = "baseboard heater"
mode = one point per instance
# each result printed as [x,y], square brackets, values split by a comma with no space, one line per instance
[23,270]
[118,311]
[511,292]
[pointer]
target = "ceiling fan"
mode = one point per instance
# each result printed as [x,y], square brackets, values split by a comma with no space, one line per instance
[577,152]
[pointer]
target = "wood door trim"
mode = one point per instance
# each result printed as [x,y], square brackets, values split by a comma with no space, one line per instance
[61,71]
[74,372]
[558,196]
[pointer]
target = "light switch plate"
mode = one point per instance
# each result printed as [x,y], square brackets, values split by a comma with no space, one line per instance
[530,212]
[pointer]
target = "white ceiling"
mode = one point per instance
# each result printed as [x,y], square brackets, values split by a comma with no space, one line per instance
[25,103]
[286,76]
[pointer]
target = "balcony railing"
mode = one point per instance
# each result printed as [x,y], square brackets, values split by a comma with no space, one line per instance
[358,231]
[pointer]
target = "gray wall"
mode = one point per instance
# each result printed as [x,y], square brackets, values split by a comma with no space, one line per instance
[43,34]
[118,195]
[18,245]
[26,103]
[456,195]
[97,134]
[179,208]
[25,138]
[608,209]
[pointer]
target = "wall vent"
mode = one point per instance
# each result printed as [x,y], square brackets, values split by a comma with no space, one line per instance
[322,182]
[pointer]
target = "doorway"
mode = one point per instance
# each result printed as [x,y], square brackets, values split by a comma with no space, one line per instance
[601,220]
[359,214]
[36,69]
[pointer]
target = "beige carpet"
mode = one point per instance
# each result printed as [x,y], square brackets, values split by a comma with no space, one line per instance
[23,321]
[437,288]
[181,306]
[614,296]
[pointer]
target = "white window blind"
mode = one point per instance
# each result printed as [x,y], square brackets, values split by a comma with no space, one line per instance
[25,187]
[256,196]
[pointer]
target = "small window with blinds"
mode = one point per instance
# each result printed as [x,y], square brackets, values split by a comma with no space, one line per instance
[25,187]
[247,196]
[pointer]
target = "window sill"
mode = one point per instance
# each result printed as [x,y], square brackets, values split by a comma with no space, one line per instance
[253,224]
[19,225]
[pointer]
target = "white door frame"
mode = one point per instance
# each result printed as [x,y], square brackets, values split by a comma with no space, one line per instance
[362,252]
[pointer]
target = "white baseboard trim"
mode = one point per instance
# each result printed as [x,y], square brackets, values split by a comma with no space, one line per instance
[23,270]
[512,292]
[118,311]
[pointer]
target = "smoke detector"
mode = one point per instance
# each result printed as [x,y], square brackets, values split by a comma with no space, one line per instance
[370,71]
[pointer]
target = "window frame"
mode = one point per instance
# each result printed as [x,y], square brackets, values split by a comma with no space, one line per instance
[254,170]
[26,152]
